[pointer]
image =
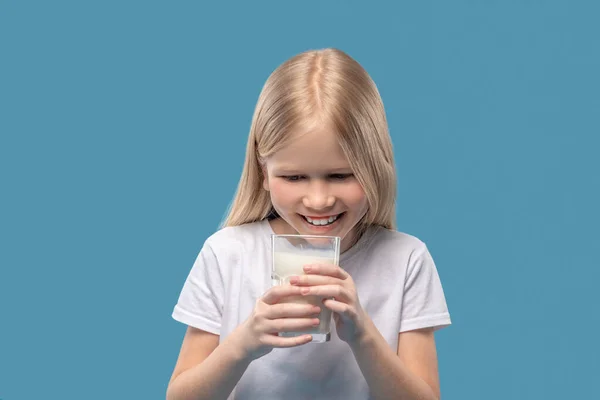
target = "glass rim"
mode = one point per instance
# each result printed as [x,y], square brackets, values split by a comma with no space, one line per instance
[275,235]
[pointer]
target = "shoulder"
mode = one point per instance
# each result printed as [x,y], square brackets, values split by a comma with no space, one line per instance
[235,238]
[399,248]
[393,241]
[395,249]
[229,246]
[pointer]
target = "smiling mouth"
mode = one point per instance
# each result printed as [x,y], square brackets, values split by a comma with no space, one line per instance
[322,221]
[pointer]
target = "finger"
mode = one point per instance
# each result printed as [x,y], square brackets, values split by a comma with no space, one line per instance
[276,293]
[340,293]
[338,307]
[291,324]
[291,310]
[313,280]
[326,269]
[278,341]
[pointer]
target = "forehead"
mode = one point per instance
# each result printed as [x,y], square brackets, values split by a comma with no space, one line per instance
[316,150]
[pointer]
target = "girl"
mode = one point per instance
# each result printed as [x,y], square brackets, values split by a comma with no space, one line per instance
[319,161]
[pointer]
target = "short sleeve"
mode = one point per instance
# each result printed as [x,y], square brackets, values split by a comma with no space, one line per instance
[200,302]
[424,304]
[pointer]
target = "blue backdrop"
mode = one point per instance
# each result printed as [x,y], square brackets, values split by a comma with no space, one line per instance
[122,136]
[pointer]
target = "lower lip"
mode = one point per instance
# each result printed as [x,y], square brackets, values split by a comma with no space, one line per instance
[323,228]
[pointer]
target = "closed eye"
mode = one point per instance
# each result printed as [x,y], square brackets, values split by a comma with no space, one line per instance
[339,177]
[292,178]
[333,177]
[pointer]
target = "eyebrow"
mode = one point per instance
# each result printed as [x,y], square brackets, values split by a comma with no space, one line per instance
[287,169]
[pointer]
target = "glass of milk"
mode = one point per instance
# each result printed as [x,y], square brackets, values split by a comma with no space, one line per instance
[290,254]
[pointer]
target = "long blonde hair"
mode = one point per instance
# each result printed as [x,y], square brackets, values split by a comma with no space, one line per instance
[315,87]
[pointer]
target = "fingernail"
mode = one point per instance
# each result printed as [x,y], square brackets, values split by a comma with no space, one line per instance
[294,280]
[305,290]
[307,268]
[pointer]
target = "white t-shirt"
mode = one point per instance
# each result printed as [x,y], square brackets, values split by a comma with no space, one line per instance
[397,283]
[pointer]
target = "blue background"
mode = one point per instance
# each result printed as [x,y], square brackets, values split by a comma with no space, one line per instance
[122,136]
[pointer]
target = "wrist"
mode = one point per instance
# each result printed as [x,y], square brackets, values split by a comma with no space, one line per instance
[366,336]
[237,348]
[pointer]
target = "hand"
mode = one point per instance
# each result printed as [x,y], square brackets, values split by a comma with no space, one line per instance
[338,289]
[258,334]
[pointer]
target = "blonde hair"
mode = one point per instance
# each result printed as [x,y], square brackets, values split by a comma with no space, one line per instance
[316,87]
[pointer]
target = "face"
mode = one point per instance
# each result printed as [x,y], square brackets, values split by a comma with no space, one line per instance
[313,189]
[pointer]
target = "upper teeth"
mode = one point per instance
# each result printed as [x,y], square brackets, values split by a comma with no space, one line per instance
[322,221]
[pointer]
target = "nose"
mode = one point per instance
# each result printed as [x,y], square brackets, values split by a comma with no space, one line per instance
[318,196]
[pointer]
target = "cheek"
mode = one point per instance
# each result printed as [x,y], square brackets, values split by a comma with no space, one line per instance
[281,194]
[355,196]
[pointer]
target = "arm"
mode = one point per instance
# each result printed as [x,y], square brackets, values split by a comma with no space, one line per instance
[205,370]
[408,373]
[411,373]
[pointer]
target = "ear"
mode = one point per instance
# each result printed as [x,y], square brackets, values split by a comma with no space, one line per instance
[265,177]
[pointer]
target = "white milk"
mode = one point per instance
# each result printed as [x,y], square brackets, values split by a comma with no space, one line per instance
[291,264]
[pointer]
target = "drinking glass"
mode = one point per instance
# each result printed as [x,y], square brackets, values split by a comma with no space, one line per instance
[290,254]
